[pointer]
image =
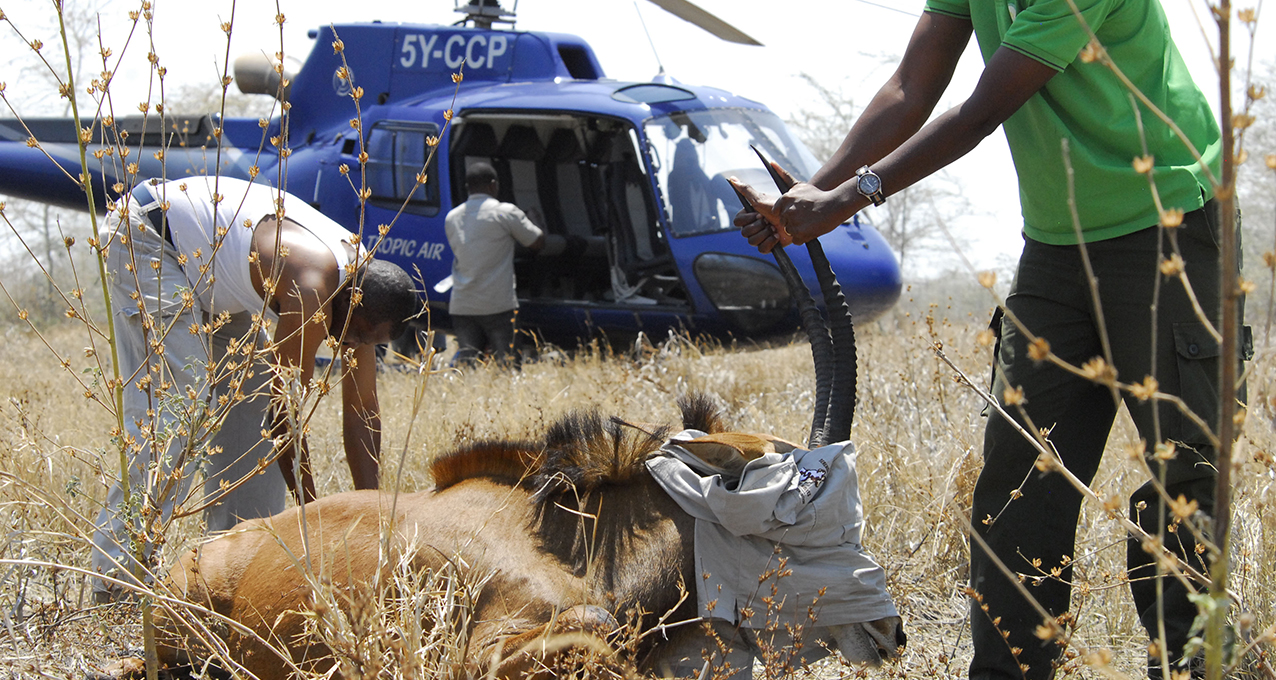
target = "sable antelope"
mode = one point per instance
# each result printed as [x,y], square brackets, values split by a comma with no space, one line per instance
[573,531]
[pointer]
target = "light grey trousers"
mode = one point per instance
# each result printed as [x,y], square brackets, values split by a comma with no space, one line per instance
[167,371]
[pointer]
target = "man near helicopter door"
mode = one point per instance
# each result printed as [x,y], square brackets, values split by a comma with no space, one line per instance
[1058,106]
[195,266]
[482,232]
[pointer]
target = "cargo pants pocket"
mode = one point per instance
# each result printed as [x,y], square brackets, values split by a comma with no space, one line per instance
[1196,353]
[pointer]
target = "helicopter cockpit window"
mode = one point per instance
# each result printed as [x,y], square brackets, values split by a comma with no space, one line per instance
[396,154]
[694,152]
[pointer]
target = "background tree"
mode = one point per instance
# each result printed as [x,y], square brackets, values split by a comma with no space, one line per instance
[1256,189]
[197,99]
[37,232]
[36,227]
[912,221]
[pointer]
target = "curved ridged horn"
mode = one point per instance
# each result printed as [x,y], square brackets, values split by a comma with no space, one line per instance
[822,347]
[817,333]
[835,371]
[842,399]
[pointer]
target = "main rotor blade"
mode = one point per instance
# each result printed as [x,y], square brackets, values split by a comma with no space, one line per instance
[691,13]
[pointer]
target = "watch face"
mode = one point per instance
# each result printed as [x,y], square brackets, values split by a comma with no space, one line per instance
[870,184]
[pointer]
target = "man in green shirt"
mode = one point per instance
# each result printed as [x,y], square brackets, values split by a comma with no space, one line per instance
[1059,108]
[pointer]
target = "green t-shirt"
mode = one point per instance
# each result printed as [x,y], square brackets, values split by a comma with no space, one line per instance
[1086,104]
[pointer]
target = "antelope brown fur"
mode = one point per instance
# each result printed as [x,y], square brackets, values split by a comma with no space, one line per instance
[519,510]
[574,532]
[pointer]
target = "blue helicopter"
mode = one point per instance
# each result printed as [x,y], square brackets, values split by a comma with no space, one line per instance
[628,179]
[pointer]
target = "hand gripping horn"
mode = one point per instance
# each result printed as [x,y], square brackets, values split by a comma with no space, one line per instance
[832,342]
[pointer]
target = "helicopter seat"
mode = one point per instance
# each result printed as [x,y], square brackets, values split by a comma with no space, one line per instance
[473,142]
[515,161]
[521,150]
[641,261]
[563,192]
[581,271]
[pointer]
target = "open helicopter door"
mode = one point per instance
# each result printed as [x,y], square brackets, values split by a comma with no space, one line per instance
[582,179]
[636,246]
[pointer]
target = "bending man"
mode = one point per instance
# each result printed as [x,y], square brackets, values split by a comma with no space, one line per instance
[203,271]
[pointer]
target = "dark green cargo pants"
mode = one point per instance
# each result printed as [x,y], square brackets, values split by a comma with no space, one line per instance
[1051,298]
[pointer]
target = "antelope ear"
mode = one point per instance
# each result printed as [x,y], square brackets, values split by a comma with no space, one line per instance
[749,446]
[729,451]
[717,455]
[781,445]
[128,668]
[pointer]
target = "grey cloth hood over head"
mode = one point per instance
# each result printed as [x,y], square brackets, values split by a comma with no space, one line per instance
[806,503]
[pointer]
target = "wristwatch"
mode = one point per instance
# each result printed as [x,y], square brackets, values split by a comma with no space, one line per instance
[869,185]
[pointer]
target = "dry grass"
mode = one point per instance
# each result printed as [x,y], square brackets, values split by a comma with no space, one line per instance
[918,434]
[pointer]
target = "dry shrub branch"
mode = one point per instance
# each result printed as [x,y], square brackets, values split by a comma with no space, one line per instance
[62,439]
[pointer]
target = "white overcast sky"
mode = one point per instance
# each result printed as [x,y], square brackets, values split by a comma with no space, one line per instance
[842,43]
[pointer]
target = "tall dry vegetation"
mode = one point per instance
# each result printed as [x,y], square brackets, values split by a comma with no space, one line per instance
[918,433]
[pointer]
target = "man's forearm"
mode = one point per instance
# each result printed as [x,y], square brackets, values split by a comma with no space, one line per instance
[293,454]
[949,137]
[902,105]
[362,435]
[888,121]
[1009,80]
[806,211]
[361,416]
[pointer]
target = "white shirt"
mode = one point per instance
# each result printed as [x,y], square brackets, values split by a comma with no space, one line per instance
[195,226]
[482,232]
